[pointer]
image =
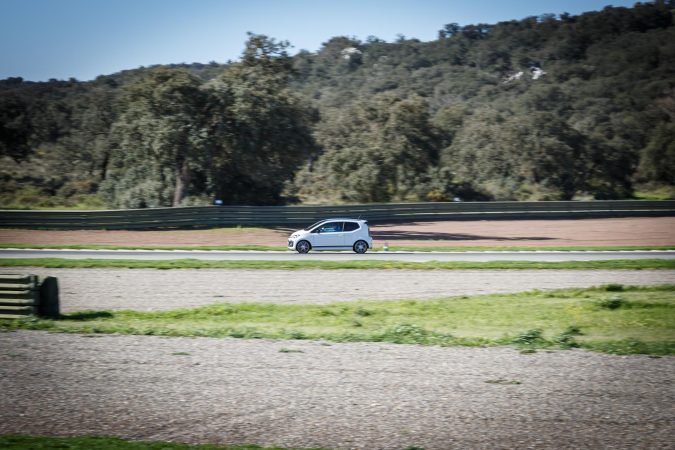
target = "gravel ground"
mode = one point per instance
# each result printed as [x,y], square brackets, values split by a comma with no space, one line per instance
[151,289]
[346,396]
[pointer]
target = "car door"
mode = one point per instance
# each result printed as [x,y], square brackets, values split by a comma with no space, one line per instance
[328,235]
[350,233]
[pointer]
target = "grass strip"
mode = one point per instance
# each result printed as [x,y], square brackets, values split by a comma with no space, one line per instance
[631,264]
[613,318]
[22,442]
[378,248]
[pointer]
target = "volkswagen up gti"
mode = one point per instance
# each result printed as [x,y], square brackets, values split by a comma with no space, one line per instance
[333,234]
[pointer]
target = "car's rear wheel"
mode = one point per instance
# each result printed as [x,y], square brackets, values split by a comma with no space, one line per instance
[303,247]
[360,247]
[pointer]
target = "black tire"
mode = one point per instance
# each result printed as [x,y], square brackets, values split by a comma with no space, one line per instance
[360,247]
[303,247]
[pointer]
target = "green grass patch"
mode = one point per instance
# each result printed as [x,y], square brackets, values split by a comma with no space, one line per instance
[32,197]
[20,442]
[654,192]
[632,264]
[644,322]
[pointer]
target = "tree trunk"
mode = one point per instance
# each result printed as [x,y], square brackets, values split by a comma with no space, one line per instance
[104,165]
[182,181]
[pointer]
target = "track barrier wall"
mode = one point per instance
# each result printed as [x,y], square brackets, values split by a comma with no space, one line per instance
[281,216]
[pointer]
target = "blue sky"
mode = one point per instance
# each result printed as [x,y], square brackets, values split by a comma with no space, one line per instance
[42,39]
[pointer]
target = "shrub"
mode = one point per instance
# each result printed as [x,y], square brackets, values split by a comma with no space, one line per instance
[613,302]
[413,334]
[614,287]
[360,311]
[566,338]
[529,337]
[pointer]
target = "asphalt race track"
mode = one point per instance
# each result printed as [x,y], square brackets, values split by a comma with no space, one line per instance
[337,256]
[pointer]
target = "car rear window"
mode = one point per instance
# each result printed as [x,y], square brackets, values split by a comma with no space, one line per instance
[351,226]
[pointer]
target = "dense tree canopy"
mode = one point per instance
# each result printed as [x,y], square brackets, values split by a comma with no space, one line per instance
[375,151]
[160,140]
[262,129]
[549,107]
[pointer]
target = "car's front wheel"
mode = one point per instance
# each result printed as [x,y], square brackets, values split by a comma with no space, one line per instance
[303,247]
[360,247]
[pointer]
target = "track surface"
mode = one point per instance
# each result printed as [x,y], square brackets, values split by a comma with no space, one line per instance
[336,256]
[347,396]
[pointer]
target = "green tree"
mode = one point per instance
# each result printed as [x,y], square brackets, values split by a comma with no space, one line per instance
[241,130]
[261,128]
[529,157]
[160,139]
[377,151]
[14,126]
[657,161]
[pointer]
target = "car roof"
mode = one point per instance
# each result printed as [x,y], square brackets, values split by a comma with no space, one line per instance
[345,218]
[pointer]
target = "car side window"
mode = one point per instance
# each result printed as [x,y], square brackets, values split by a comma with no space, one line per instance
[331,227]
[351,226]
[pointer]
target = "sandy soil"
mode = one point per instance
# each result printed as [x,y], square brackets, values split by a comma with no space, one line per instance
[542,233]
[343,396]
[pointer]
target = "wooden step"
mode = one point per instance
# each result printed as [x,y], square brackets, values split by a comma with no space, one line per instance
[13,316]
[16,287]
[18,302]
[16,310]
[18,294]
[8,278]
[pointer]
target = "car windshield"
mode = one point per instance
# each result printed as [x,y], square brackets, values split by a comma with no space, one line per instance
[314,225]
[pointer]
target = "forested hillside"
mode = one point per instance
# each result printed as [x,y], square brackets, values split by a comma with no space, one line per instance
[543,108]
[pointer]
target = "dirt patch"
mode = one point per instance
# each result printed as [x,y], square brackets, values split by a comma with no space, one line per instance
[217,236]
[528,233]
[637,231]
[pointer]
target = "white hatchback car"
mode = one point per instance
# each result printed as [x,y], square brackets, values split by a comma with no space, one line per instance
[333,234]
